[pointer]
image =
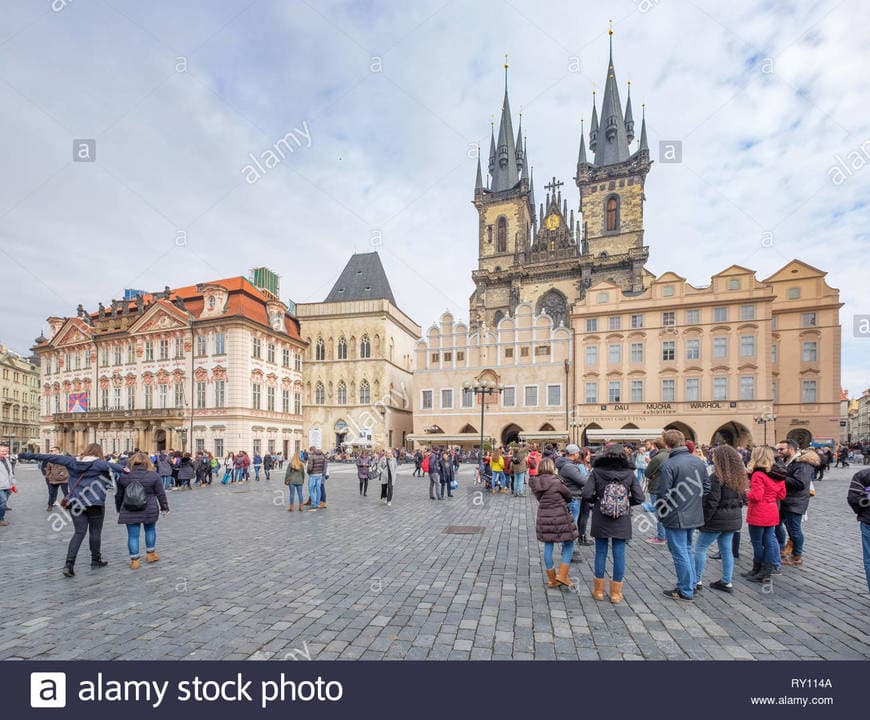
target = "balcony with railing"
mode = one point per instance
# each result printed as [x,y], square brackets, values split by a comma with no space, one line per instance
[119,414]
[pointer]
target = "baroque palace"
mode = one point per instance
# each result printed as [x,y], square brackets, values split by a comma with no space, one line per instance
[215,366]
[581,342]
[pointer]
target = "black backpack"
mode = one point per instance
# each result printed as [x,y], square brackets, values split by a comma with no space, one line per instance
[135,499]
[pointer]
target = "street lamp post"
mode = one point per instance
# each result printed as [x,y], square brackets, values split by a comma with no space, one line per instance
[764,420]
[482,388]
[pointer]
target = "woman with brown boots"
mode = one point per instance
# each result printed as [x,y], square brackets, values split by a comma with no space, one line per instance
[554,522]
[613,488]
[139,499]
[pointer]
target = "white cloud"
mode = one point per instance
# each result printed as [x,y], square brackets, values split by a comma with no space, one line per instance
[389,149]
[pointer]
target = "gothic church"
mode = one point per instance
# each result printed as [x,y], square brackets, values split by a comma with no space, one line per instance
[543,255]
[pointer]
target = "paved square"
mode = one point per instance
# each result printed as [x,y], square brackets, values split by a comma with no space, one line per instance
[241,578]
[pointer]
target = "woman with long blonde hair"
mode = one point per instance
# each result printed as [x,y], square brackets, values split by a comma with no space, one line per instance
[294,479]
[767,487]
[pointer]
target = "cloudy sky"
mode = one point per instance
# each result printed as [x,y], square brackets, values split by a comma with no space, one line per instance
[764,96]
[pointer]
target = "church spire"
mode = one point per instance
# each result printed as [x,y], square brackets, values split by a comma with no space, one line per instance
[643,145]
[581,156]
[505,173]
[629,118]
[478,182]
[613,147]
[520,149]
[593,129]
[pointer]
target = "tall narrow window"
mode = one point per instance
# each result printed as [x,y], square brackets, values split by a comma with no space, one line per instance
[342,349]
[612,213]
[341,395]
[365,347]
[319,350]
[319,394]
[219,393]
[501,241]
[365,396]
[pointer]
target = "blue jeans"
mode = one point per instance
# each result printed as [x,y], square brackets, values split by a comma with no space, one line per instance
[498,479]
[764,544]
[650,507]
[519,481]
[295,490]
[705,540]
[791,522]
[240,474]
[314,489]
[567,551]
[865,541]
[257,472]
[4,494]
[133,538]
[601,547]
[167,481]
[680,545]
[574,509]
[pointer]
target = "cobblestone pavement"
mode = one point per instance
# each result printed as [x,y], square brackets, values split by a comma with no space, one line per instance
[241,578]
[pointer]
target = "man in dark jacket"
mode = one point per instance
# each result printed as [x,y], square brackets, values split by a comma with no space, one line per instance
[658,455]
[435,487]
[800,468]
[858,498]
[316,468]
[682,480]
[575,478]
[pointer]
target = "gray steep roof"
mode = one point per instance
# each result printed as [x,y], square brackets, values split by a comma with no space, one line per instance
[363,278]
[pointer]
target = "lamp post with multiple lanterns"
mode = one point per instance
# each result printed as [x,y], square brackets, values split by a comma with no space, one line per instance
[482,389]
[764,420]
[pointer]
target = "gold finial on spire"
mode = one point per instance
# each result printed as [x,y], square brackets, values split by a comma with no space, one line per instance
[505,61]
[610,29]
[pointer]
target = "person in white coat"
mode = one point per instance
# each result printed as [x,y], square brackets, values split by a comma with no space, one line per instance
[388,470]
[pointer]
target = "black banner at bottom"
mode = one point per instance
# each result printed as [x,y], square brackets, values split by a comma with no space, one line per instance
[444,690]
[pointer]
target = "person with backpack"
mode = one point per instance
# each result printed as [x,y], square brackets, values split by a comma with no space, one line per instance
[858,497]
[86,501]
[767,488]
[520,469]
[533,459]
[496,464]
[258,465]
[294,479]
[185,471]
[203,469]
[418,464]
[268,464]
[317,464]
[553,522]
[612,488]
[56,477]
[723,515]
[139,499]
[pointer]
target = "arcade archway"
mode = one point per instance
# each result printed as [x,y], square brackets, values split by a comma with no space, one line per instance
[732,433]
[801,436]
[511,434]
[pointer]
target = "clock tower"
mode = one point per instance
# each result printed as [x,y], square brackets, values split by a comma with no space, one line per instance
[542,254]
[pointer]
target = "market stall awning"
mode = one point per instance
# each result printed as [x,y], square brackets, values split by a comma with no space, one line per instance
[597,435]
[441,438]
[553,435]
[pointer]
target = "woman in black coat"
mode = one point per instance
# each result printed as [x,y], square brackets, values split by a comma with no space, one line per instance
[554,522]
[613,488]
[723,514]
[142,472]
[185,472]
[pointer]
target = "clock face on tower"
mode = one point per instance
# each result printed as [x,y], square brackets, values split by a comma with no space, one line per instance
[552,222]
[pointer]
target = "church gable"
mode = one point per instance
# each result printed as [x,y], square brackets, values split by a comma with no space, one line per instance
[795,270]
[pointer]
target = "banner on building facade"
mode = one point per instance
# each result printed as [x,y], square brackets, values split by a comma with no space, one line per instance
[77,402]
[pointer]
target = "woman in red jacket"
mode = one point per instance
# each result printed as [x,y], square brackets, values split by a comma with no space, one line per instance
[766,487]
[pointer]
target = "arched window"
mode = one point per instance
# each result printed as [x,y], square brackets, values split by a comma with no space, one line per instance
[365,394]
[365,347]
[319,350]
[501,240]
[342,393]
[319,394]
[612,213]
[342,349]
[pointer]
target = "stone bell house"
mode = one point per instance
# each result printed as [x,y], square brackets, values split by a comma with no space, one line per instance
[360,361]
[215,366]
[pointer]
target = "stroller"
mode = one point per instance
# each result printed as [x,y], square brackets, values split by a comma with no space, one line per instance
[486,477]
